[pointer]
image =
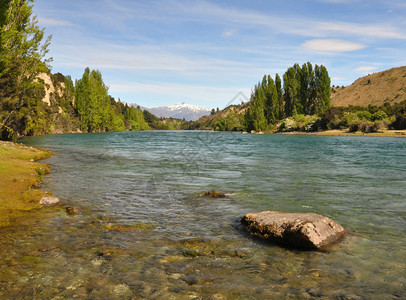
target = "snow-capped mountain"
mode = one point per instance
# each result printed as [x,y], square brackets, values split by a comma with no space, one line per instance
[181,110]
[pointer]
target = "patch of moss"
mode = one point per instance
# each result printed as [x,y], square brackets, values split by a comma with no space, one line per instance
[127,228]
[20,176]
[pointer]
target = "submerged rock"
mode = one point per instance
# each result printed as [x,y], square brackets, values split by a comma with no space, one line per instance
[299,230]
[71,210]
[49,201]
[213,194]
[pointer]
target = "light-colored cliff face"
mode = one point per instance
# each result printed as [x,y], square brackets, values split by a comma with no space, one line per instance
[50,89]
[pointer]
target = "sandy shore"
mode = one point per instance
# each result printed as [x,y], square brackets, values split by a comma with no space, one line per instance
[383,133]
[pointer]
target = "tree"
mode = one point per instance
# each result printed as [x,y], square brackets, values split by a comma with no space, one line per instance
[136,118]
[279,91]
[271,100]
[93,103]
[323,90]
[22,58]
[291,90]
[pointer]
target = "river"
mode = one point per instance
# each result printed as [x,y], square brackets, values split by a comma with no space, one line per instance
[143,231]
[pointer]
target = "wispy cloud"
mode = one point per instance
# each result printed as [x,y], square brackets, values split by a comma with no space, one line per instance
[54,22]
[208,12]
[228,33]
[365,69]
[331,45]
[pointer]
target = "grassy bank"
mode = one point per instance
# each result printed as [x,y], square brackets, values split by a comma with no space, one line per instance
[20,178]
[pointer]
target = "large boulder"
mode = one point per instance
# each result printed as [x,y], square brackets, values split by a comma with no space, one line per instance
[299,230]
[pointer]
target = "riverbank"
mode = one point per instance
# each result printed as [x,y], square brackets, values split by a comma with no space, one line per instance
[20,178]
[337,132]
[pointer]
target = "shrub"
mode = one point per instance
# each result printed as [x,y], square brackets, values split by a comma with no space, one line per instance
[379,115]
[364,115]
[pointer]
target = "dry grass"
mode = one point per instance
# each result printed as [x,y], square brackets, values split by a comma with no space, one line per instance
[387,133]
[20,177]
[376,89]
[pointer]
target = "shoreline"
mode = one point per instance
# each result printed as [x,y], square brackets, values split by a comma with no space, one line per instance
[337,132]
[21,176]
[383,133]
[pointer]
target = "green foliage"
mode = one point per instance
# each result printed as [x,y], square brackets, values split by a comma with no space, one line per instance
[93,103]
[365,119]
[136,118]
[300,122]
[232,122]
[22,53]
[306,91]
[379,116]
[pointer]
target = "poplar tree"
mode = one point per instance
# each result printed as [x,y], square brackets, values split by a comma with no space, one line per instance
[279,91]
[323,93]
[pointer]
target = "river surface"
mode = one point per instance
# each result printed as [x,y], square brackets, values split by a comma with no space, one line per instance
[142,230]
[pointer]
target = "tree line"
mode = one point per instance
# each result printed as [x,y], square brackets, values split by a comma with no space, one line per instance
[304,90]
[82,105]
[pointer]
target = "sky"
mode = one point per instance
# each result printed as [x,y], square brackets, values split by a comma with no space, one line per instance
[212,53]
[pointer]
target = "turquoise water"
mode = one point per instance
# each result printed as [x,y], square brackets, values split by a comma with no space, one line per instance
[142,231]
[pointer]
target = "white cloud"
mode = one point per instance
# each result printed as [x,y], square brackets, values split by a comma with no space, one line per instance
[365,69]
[331,45]
[208,12]
[228,33]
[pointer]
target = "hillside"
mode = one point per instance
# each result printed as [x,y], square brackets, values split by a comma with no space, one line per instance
[229,119]
[376,89]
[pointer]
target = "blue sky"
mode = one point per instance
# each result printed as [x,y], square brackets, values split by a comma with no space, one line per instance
[162,52]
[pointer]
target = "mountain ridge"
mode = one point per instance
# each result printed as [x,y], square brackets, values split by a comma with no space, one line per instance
[181,110]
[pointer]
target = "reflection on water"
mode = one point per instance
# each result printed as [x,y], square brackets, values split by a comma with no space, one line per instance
[142,231]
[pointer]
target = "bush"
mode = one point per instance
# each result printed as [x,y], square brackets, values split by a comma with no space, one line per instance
[332,118]
[300,122]
[379,116]
[364,115]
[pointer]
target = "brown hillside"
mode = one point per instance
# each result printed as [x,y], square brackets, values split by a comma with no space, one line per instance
[375,89]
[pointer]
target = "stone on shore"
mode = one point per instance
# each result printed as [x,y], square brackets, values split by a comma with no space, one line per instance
[308,231]
[49,201]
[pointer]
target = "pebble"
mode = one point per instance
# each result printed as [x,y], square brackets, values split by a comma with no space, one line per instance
[49,201]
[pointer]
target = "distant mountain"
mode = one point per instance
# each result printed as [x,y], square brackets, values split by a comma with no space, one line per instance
[375,89]
[181,110]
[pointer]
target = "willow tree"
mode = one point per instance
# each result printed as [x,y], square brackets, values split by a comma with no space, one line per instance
[22,58]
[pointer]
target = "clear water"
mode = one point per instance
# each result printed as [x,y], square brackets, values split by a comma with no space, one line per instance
[142,231]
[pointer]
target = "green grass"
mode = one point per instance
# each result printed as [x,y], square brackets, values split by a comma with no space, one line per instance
[20,178]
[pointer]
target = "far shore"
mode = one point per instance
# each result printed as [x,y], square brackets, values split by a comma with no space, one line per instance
[382,133]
